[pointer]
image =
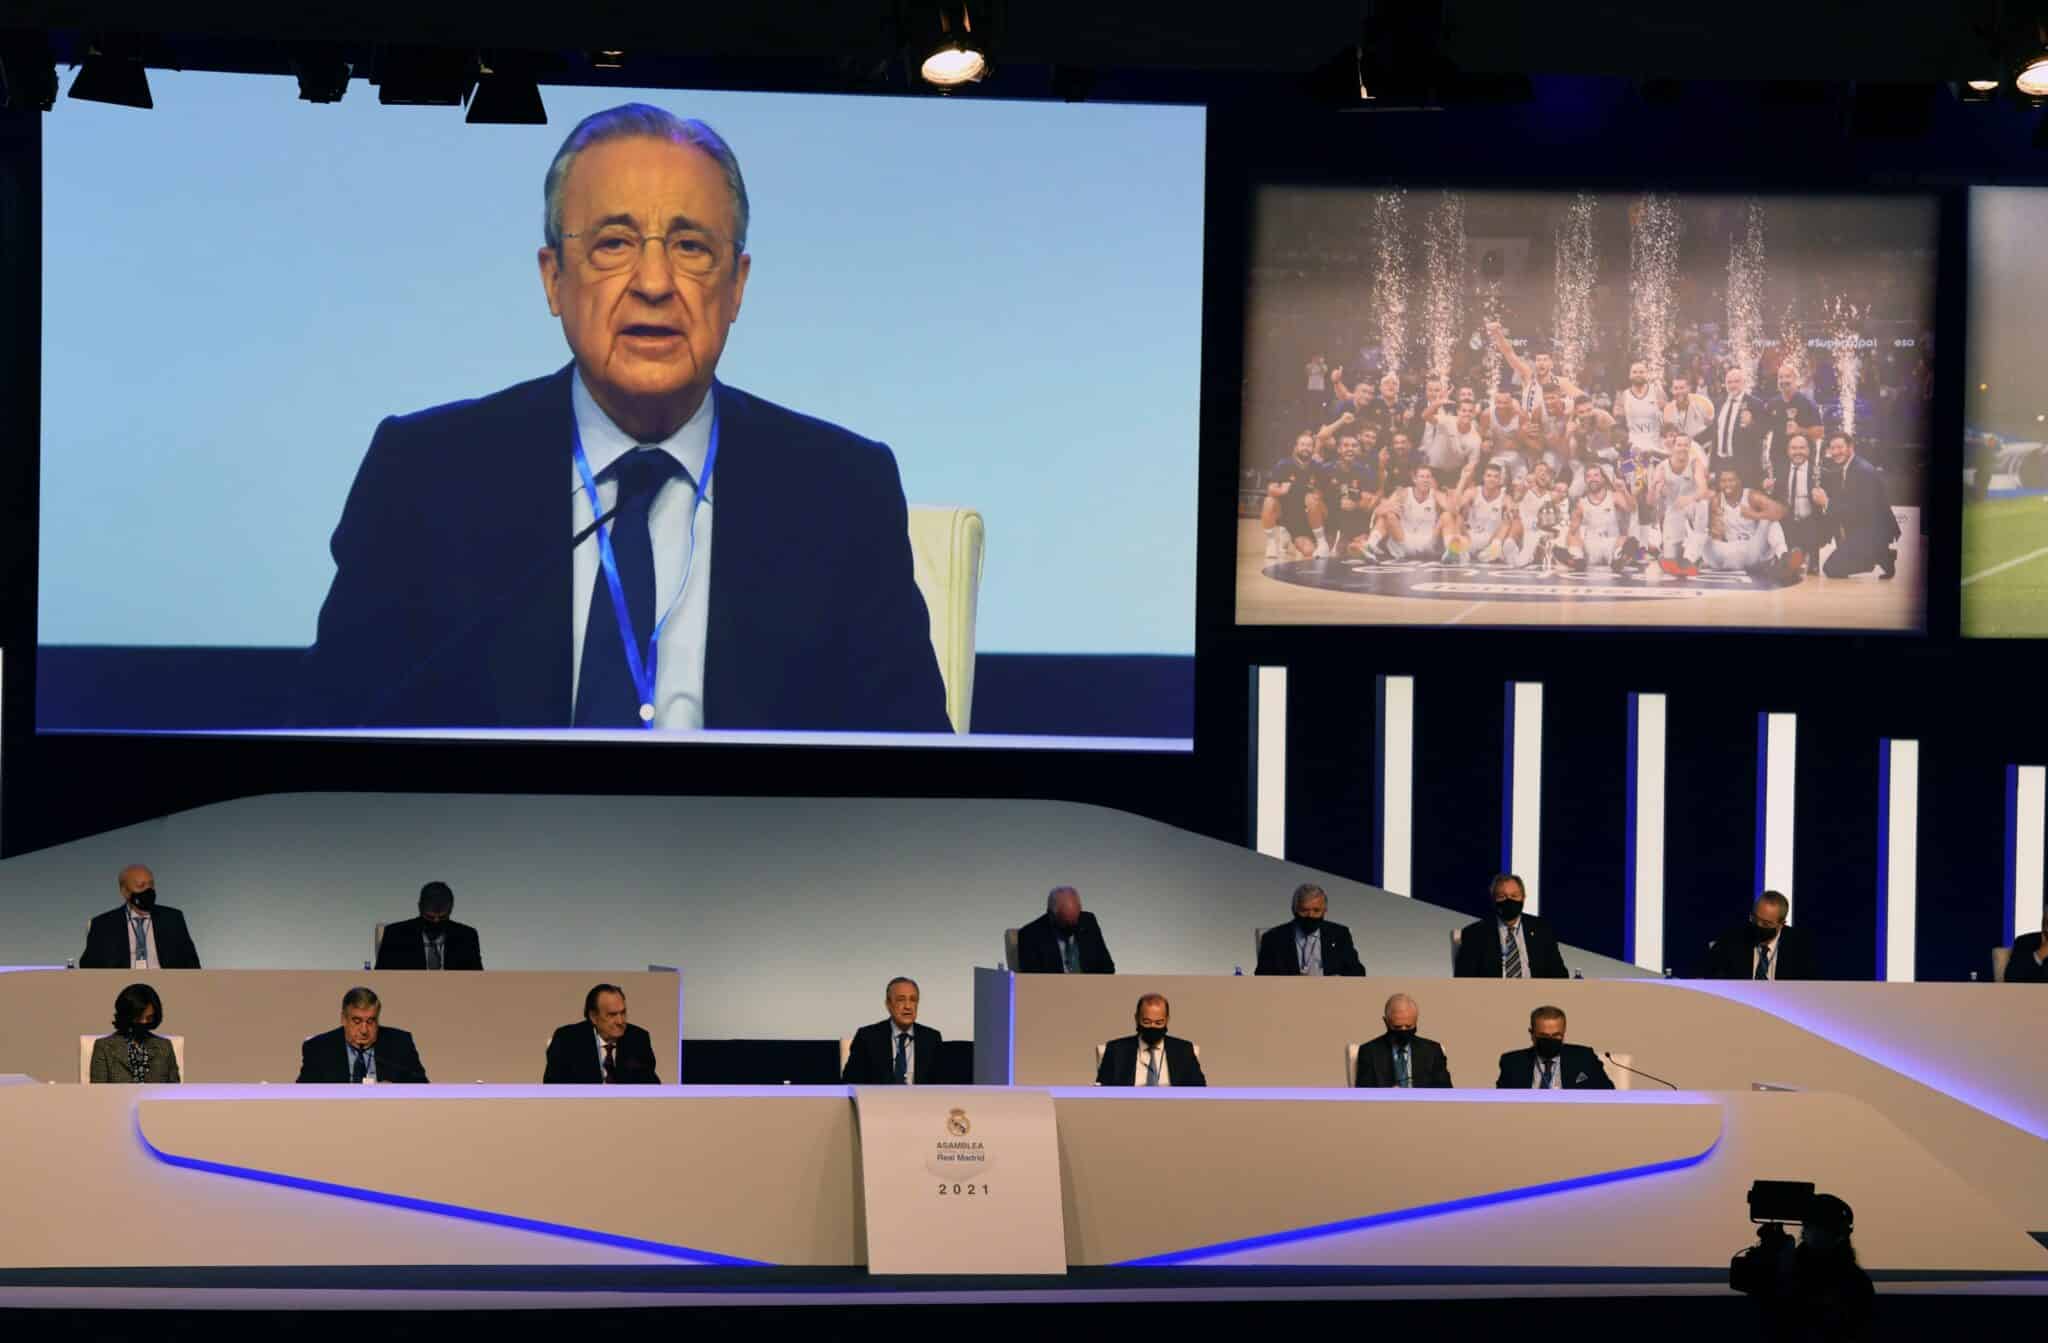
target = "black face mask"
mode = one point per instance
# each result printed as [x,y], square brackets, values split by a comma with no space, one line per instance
[1548,1047]
[1307,923]
[435,931]
[1400,1039]
[1151,1035]
[144,900]
[139,1031]
[1507,910]
[1760,934]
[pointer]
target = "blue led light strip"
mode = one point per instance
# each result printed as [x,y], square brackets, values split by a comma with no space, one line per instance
[1201,1252]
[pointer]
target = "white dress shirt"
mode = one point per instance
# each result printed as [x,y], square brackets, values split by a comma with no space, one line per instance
[129,914]
[1556,1074]
[1308,951]
[679,677]
[369,1058]
[1144,1067]
[1801,488]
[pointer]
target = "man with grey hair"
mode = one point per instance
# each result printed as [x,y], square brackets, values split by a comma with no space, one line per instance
[1309,944]
[1065,940]
[361,1049]
[1150,1057]
[1398,1057]
[545,556]
[1766,947]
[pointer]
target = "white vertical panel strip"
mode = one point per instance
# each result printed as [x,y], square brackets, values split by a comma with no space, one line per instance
[1525,845]
[1648,886]
[1397,784]
[2030,826]
[1781,763]
[1902,861]
[1270,827]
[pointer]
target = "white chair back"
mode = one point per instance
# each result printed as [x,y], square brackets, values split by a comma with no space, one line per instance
[1010,949]
[845,1052]
[1258,940]
[376,943]
[1351,1063]
[2001,957]
[1457,940]
[946,549]
[1623,1080]
[85,1044]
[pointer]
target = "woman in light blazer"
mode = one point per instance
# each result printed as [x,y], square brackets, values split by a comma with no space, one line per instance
[134,1053]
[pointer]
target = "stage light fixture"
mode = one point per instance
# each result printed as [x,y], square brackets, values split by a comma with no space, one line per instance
[28,76]
[608,58]
[950,53]
[2032,80]
[506,99]
[322,78]
[119,80]
[424,77]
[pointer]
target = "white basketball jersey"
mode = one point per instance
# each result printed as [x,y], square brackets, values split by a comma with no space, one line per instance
[1600,518]
[1738,528]
[1418,516]
[1680,487]
[1643,418]
[1484,518]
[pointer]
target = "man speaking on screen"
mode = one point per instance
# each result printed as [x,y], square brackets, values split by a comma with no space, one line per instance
[544,556]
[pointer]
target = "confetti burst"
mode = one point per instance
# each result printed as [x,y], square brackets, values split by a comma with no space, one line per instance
[1443,251]
[1489,307]
[1792,344]
[1390,279]
[1746,291]
[1653,273]
[1578,267]
[1844,340]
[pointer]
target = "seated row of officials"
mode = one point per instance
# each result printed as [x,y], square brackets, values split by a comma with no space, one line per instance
[1067,939]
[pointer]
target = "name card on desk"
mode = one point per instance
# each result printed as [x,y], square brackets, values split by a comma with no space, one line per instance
[961,1180]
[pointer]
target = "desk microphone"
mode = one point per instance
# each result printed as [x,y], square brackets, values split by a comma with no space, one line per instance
[1637,1071]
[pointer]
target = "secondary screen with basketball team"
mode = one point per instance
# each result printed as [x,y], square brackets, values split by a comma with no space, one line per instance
[1586,408]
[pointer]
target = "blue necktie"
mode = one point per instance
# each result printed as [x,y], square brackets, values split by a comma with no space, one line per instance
[1152,1067]
[361,1068]
[1547,1067]
[141,939]
[903,1058]
[1763,962]
[605,694]
[1401,1068]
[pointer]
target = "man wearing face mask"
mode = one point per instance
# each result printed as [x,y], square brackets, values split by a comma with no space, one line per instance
[1763,948]
[1151,1058]
[434,940]
[141,934]
[1309,944]
[1549,1064]
[1400,1057]
[2028,961]
[1065,940]
[1511,944]
[361,1049]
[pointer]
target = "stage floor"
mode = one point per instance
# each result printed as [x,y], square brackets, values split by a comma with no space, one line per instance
[1337,592]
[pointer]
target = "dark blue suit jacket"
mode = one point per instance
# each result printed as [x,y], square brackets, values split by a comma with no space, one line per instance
[451,598]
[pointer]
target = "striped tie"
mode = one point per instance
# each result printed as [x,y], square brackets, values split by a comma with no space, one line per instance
[1152,1067]
[1763,962]
[1512,958]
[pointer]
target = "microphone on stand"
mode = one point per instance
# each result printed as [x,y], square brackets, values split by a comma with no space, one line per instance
[1637,1071]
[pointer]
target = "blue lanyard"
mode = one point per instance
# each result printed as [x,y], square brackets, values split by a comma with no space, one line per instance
[643,669]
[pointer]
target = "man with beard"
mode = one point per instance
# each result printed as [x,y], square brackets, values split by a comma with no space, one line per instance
[1640,410]
[1675,485]
[1535,375]
[1350,493]
[1689,412]
[1413,522]
[1737,530]
[1065,940]
[1293,512]
[1787,414]
[1600,524]
[1857,513]
[1488,518]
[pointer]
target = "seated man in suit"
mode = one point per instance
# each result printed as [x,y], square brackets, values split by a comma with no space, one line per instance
[1549,1064]
[1065,940]
[1399,1057]
[134,1052]
[1151,1058]
[2028,963]
[361,1050]
[468,589]
[1764,947]
[139,933]
[895,1051]
[602,1049]
[1511,944]
[433,941]
[1309,944]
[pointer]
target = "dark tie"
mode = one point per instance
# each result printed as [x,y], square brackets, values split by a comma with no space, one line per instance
[1763,962]
[1071,955]
[605,694]
[1511,953]
[434,953]
[903,1057]
[611,1064]
[1152,1066]
[361,1067]
[1401,1068]
[1547,1067]
[141,939]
